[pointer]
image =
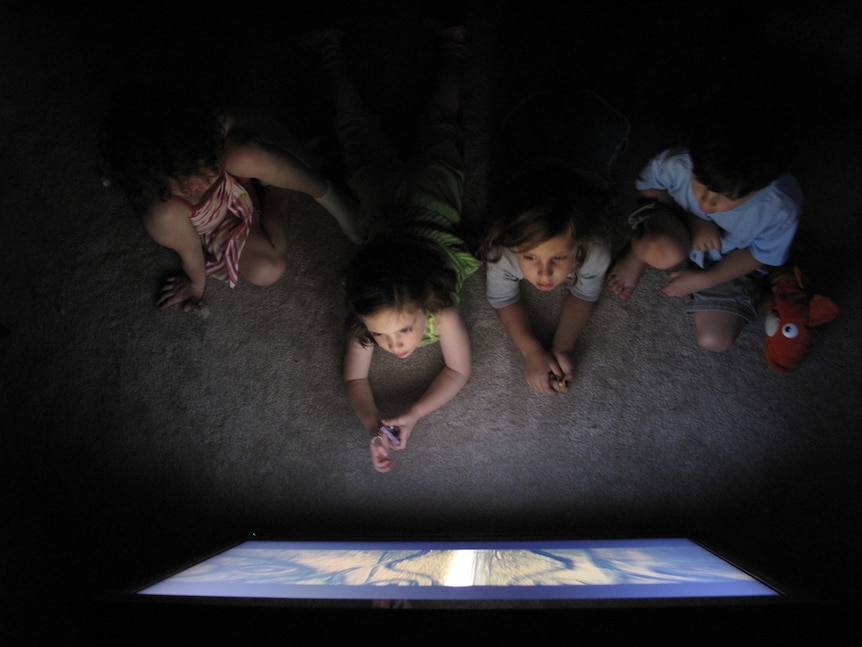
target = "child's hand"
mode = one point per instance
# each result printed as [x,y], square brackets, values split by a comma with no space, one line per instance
[381,444]
[684,282]
[560,381]
[537,370]
[178,289]
[405,424]
[705,235]
[380,453]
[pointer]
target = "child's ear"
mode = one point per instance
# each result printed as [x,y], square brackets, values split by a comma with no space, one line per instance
[821,310]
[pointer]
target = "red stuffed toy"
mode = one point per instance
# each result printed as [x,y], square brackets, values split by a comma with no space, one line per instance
[792,312]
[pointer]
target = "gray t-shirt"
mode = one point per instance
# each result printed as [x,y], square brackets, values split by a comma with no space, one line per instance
[503,277]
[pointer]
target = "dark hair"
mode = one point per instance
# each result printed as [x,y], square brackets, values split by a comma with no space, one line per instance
[151,136]
[398,271]
[738,150]
[540,205]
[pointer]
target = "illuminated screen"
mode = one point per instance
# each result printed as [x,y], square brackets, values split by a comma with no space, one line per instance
[560,570]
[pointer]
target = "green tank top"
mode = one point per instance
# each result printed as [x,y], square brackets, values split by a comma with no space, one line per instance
[436,227]
[428,214]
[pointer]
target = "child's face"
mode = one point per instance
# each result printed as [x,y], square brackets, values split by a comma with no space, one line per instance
[549,263]
[712,202]
[193,188]
[397,331]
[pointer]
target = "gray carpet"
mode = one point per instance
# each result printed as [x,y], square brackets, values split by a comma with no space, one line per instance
[136,439]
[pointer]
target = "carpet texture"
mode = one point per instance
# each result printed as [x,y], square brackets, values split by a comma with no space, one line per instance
[136,439]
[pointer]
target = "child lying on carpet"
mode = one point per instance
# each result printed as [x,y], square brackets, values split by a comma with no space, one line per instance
[402,285]
[551,229]
[549,239]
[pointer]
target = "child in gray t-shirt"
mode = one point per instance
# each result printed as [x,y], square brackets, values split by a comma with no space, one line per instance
[551,236]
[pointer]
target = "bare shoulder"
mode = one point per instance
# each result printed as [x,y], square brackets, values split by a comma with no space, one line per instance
[357,360]
[454,340]
[245,157]
[450,314]
[168,223]
[165,212]
[448,319]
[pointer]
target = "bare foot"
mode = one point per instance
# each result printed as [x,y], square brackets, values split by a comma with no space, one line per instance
[624,274]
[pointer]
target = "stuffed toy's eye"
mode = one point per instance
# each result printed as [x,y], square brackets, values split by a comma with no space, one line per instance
[771,323]
[789,330]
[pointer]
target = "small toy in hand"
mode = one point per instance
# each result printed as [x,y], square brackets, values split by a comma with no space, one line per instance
[391,432]
[792,314]
[553,378]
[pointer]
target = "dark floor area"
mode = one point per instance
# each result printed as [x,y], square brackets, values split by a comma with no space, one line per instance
[67,570]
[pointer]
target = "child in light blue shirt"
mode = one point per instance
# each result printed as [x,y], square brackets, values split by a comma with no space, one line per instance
[715,213]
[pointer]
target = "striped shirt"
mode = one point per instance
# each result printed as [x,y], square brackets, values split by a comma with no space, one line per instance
[223,221]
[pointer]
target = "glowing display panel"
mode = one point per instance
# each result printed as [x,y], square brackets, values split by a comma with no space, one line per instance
[562,570]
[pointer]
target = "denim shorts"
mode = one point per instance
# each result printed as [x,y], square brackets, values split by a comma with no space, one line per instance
[738,297]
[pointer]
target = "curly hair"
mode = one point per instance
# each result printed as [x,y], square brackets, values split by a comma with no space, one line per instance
[400,272]
[151,137]
[541,205]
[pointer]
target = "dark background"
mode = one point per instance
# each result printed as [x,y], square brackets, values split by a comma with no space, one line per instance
[76,538]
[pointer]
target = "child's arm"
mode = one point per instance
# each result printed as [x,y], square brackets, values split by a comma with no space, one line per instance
[280,168]
[272,166]
[357,362]
[455,345]
[254,125]
[658,194]
[573,319]
[705,234]
[538,361]
[168,224]
[737,263]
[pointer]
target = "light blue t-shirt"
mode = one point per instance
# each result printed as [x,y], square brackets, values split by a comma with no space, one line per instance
[765,223]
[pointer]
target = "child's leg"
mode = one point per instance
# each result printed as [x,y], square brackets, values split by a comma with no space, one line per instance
[722,311]
[717,331]
[264,256]
[430,199]
[436,177]
[369,160]
[660,241]
[300,176]
[440,123]
[451,78]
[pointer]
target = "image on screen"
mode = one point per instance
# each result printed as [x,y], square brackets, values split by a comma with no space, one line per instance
[563,570]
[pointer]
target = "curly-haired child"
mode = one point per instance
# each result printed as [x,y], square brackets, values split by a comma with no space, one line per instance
[402,285]
[212,187]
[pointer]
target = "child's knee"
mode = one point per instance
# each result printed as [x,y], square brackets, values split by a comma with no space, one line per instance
[659,250]
[717,331]
[661,240]
[715,342]
[268,271]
